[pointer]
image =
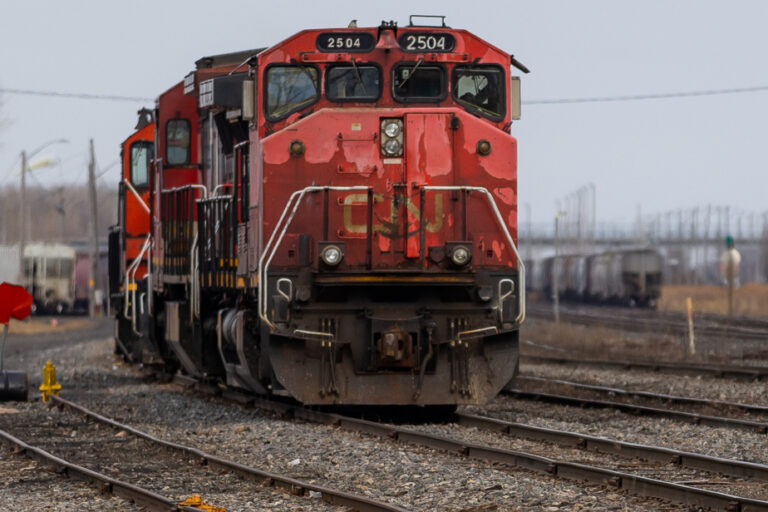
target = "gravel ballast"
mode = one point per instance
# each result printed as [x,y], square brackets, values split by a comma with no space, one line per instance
[413,477]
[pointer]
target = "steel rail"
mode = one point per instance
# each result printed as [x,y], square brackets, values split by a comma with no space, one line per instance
[702,419]
[102,482]
[631,483]
[652,323]
[634,484]
[731,371]
[760,409]
[748,324]
[621,448]
[294,486]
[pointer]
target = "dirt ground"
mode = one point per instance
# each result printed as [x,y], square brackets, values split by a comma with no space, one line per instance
[748,300]
[48,324]
[544,337]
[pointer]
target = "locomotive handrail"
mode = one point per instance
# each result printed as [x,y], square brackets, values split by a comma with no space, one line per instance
[521,266]
[220,186]
[189,186]
[194,280]
[293,205]
[274,240]
[136,195]
[130,279]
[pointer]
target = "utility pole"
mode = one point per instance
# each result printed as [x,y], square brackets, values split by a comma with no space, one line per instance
[23,217]
[93,232]
[556,268]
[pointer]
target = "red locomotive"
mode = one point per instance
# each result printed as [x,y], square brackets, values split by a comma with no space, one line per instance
[334,219]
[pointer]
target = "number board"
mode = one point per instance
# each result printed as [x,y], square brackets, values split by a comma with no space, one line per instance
[345,42]
[427,42]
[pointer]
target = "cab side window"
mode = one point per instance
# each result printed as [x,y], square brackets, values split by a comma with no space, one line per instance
[141,155]
[289,89]
[480,88]
[177,142]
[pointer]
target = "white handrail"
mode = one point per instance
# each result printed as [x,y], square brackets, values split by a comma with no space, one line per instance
[521,266]
[185,187]
[293,203]
[130,285]
[194,279]
[269,250]
[136,195]
[219,187]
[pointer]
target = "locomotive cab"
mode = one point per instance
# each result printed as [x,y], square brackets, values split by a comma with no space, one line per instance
[129,238]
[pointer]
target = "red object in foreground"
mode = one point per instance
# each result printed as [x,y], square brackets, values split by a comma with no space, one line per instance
[15,302]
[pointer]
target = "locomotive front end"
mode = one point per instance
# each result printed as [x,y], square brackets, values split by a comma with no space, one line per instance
[385,190]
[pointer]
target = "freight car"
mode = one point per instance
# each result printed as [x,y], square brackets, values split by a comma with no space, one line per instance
[332,218]
[629,277]
[49,275]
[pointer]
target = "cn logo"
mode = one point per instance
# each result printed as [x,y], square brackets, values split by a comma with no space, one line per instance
[393,226]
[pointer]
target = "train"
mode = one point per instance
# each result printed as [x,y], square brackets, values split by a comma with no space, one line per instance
[332,219]
[48,275]
[56,275]
[623,276]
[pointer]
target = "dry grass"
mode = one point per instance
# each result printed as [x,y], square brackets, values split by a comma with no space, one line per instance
[748,300]
[45,325]
[570,340]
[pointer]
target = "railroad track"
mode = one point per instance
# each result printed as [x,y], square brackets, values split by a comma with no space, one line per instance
[705,324]
[648,459]
[95,451]
[636,408]
[677,368]
[650,396]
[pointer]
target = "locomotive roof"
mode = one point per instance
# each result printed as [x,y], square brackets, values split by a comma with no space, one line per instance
[226,59]
[469,41]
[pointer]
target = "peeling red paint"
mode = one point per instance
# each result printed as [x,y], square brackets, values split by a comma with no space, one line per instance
[498,249]
[506,194]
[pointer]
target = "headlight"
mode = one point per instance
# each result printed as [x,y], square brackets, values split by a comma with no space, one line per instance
[331,255]
[460,255]
[392,147]
[485,293]
[392,137]
[392,129]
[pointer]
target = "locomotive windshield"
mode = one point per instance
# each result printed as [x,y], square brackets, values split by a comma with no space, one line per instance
[353,83]
[415,82]
[290,88]
[480,88]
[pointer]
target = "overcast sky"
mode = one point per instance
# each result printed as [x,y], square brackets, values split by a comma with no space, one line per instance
[664,154]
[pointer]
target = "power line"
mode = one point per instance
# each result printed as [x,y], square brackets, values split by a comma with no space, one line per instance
[636,97]
[544,101]
[75,95]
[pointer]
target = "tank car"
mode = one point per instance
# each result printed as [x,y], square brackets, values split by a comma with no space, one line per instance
[334,219]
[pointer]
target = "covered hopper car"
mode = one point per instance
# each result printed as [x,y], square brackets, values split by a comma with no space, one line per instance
[629,277]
